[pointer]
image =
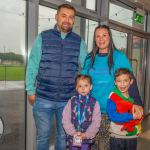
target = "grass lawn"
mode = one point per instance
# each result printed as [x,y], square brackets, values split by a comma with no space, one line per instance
[12,73]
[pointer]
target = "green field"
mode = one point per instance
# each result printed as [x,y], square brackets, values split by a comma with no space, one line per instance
[12,73]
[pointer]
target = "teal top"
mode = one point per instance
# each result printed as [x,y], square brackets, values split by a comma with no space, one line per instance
[35,57]
[102,79]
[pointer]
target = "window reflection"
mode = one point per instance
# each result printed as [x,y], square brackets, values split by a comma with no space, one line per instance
[78,2]
[90,4]
[89,35]
[120,40]
[119,14]
[138,50]
[12,73]
[46,18]
[84,27]
[125,16]
[12,45]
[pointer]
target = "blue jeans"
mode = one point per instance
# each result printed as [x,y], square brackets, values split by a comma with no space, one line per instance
[43,111]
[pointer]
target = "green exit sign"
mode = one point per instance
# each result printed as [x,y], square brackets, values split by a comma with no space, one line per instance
[138,18]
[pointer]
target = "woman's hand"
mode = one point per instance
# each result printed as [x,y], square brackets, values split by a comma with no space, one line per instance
[137,111]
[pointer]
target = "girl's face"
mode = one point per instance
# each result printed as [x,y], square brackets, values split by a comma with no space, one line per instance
[102,40]
[83,87]
[123,83]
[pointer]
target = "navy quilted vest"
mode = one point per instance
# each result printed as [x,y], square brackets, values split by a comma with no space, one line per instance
[58,66]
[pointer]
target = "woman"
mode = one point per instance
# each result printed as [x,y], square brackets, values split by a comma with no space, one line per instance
[101,64]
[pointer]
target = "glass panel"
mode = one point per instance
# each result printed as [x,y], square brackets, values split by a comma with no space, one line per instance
[120,40]
[85,28]
[46,18]
[138,49]
[125,16]
[139,20]
[89,33]
[119,14]
[91,4]
[78,2]
[12,73]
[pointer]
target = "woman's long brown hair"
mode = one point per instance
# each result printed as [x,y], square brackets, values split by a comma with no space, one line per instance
[110,48]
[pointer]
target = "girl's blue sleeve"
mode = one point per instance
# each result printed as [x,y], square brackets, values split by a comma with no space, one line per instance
[114,115]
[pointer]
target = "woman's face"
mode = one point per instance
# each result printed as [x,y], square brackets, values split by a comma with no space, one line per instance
[102,40]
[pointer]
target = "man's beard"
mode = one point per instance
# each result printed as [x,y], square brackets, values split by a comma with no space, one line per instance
[66,29]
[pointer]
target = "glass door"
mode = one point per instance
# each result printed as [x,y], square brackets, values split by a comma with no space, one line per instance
[12,74]
[120,40]
[138,61]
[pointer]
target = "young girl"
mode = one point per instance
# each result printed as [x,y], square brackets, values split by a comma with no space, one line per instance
[81,116]
[125,124]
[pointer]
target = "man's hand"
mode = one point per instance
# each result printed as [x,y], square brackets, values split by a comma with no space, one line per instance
[31,99]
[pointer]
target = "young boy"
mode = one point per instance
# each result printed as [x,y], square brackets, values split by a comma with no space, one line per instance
[81,116]
[125,125]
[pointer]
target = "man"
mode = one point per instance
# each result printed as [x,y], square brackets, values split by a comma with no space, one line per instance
[55,59]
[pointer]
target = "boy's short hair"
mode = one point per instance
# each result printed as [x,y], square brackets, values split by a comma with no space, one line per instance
[66,6]
[122,71]
[83,77]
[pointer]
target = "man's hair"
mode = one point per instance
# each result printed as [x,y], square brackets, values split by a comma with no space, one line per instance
[66,6]
[122,71]
[83,77]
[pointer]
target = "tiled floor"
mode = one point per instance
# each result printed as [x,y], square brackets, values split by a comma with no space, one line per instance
[144,139]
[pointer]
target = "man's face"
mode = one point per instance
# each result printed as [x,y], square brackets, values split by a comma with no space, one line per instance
[65,19]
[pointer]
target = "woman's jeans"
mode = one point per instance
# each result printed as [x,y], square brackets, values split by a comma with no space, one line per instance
[43,111]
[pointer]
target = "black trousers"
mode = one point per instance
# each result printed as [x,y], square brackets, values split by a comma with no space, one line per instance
[123,144]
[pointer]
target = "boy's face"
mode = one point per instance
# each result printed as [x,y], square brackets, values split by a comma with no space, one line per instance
[123,83]
[83,87]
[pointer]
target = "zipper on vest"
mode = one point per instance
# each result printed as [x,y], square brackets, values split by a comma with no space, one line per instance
[60,73]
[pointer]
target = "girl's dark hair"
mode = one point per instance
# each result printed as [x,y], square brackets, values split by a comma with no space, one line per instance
[83,77]
[110,48]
